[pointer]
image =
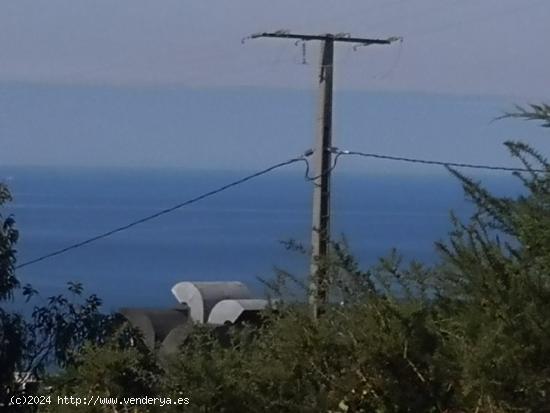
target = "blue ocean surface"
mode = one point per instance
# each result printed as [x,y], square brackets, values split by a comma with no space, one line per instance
[234,235]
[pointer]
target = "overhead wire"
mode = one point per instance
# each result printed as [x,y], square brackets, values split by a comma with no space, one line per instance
[303,158]
[433,162]
[158,214]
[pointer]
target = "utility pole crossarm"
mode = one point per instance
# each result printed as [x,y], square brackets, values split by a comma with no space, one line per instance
[334,37]
[322,157]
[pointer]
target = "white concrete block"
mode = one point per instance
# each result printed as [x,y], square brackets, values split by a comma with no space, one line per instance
[201,297]
[233,311]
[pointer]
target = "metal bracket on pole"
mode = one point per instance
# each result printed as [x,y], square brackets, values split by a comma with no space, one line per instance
[322,155]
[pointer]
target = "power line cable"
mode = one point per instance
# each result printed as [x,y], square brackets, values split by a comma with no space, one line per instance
[209,194]
[432,162]
[265,171]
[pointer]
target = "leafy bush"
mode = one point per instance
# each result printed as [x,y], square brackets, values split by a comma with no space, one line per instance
[11,325]
[496,301]
[471,333]
[53,335]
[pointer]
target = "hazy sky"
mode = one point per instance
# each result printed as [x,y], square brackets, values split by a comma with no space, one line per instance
[465,46]
[124,82]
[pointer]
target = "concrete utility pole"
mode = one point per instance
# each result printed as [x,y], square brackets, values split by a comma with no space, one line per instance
[322,157]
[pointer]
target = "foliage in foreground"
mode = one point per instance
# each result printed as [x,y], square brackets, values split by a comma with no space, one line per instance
[471,334]
[55,331]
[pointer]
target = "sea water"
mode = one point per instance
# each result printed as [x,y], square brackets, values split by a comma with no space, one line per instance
[234,235]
